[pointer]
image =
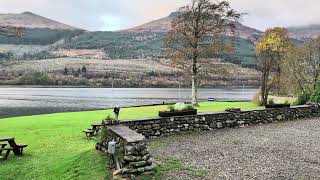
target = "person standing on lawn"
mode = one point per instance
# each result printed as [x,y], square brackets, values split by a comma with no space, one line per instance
[116,111]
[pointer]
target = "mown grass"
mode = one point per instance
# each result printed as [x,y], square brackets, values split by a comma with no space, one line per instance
[57,147]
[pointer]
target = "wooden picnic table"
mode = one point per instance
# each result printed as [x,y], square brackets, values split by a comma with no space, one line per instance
[93,131]
[17,148]
[4,148]
[2,139]
[96,128]
[96,125]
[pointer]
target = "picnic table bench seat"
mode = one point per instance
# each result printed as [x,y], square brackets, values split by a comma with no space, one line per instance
[89,133]
[17,148]
[5,157]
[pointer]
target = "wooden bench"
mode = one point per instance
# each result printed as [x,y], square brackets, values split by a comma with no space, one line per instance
[89,133]
[5,157]
[17,148]
[1,147]
[96,128]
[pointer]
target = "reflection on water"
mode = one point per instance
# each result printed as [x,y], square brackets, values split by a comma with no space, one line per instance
[26,101]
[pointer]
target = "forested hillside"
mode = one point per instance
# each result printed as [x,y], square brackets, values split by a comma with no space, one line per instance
[124,45]
[41,36]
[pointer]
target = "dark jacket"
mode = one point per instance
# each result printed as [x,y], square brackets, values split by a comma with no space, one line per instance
[116,110]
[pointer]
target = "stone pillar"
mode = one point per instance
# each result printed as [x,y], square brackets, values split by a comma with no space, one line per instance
[137,158]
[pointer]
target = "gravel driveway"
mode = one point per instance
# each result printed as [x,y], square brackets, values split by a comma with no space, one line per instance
[287,150]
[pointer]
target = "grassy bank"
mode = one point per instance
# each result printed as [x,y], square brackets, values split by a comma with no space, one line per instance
[57,147]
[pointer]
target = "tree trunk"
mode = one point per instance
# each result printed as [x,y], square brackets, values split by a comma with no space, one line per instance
[194,90]
[194,82]
[264,85]
[264,96]
[266,89]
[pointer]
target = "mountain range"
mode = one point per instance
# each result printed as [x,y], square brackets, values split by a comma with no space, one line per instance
[164,25]
[138,42]
[32,20]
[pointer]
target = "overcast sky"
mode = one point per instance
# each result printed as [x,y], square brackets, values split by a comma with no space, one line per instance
[121,14]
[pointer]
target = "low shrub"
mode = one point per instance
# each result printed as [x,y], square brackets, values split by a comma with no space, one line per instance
[109,118]
[102,135]
[188,107]
[303,98]
[271,101]
[315,97]
[179,106]
[286,102]
[257,98]
[171,108]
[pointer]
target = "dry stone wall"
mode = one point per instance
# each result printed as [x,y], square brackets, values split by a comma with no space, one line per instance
[152,128]
[131,150]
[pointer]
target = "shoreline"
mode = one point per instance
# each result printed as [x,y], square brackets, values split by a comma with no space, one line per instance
[108,87]
[11,112]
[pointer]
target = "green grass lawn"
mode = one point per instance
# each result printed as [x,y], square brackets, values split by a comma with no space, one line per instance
[57,147]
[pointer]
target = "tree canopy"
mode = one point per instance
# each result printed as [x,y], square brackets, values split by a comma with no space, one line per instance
[270,50]
[194,34]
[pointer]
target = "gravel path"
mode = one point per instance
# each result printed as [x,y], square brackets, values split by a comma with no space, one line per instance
[288,150]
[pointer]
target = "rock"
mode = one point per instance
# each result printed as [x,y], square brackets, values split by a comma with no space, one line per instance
[141,170]
[157,133]
[131,158]
[149,168]
[213,125]
[206,127]
[279,118]
[229,121]
[149,162]
[138,164]
[144,152]
[146,157]
[128,148]
[155,125]
[219,125]
[129,171]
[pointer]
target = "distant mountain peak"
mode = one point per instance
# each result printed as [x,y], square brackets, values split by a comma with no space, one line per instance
[164,25]
[304,32]
[174,14]
[28,13]
[31,20]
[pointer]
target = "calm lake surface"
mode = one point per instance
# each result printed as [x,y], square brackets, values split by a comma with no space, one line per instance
[29,101]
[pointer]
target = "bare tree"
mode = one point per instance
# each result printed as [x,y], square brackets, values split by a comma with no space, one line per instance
[302,66]
[195,32]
